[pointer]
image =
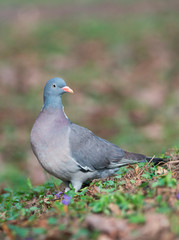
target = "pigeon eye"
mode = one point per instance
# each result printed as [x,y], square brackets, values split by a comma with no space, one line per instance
[54,85]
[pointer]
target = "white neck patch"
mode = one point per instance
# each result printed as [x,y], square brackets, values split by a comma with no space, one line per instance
[64,113]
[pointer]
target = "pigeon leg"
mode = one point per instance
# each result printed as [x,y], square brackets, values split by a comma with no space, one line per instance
[67,188]
[77,185]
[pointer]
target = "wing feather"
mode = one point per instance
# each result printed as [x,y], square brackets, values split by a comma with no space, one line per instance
[91,152]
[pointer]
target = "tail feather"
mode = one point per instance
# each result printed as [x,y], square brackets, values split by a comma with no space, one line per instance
[134,156]
[155,160]
[142,158]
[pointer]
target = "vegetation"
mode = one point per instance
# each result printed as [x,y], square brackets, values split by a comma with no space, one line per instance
[131,200]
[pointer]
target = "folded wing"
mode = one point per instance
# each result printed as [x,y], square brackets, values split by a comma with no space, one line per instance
[93,153]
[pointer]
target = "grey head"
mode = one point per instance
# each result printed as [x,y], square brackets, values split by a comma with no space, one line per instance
[53,91]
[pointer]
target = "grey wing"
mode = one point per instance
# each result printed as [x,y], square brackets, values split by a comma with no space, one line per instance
[91,152]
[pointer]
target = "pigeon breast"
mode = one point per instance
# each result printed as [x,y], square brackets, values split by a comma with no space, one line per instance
[50,144]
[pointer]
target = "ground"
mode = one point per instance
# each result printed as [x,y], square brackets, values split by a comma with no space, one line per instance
[140,202]
[120,58]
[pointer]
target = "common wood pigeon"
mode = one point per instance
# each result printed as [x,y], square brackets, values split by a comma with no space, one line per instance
[70,152]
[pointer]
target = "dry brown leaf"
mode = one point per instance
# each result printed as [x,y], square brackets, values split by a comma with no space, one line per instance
[115,228]
[104,237]
[2,215]
[7,231]
[42,223]
[65,207]
[93,190]
[114,209]
[155,225]
[161,170]
[137,170]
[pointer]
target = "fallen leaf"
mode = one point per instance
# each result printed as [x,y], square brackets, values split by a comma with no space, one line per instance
[104,237]
[7,231]
[156,225]
[161,170]
[115,228]
[114,209]
[137,170]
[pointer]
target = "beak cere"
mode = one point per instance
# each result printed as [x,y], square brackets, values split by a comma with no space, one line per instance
[67,89]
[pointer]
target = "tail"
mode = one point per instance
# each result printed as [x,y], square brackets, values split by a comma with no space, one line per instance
[156,160]
[142,158]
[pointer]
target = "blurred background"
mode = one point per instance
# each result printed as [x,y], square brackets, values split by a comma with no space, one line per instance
[121,58]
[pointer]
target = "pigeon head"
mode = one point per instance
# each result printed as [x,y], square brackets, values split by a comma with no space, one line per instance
[53,91]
